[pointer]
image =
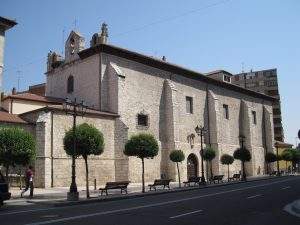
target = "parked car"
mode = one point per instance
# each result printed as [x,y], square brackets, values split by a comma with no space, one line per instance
[4,194]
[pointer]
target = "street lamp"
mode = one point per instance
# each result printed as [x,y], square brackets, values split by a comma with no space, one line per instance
[200,132]
[277,146]
[75,109]
[242,141]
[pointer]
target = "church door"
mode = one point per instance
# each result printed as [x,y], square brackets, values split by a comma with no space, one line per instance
[192,166]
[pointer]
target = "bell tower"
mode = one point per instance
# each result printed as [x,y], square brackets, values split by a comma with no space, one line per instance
[74,44]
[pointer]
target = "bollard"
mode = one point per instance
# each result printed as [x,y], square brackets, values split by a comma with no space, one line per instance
[95,184]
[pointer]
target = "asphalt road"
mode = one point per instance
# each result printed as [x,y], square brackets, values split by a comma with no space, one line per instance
[253,203]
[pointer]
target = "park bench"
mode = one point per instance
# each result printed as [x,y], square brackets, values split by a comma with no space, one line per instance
[236,176]
[194,180]
[273,173]
[122,185]
[217,178]
[160,182]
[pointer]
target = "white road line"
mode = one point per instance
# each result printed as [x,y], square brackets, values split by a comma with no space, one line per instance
[185,214]
[253,196]
[287,187]
[150,205]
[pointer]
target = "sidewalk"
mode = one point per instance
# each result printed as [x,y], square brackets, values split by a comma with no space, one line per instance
[58,195]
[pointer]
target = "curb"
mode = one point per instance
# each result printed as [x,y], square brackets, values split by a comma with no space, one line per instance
[160,192]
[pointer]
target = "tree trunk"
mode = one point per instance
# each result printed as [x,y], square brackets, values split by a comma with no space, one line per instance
[87,177]
[228,171]
[143,176]
[6,173]
[178,175]
[211,171]
[244,172]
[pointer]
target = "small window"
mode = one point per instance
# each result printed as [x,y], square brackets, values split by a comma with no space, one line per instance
[142,120]
[237,78]
[254,117]
[189,104]
[70,84]
[227,78]
[226,111]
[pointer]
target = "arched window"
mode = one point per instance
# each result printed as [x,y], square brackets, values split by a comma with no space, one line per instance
[70,84]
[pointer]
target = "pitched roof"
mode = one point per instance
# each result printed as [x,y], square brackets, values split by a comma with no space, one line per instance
[34,97]
[60,108]
[7,23]
[10,118]
[163,65]
[218,71]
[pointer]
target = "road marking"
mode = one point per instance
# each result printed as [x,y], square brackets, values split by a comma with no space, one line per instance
[150,205]
[253,196]
[185,214]
[287,187]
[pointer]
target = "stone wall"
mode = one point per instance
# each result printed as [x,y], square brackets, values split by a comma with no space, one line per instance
[162,96]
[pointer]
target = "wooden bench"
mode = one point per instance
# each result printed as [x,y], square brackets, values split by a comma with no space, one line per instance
[218,178]
[160,182]
[122,185]
[236,176]
[273,173]
[195,180]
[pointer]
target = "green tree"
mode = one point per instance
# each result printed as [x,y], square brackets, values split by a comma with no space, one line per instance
[89,141]
[227,160]
[244,155]
[17,147]
[143,146]
[270,157]
[177,156]
[295,153]
[287,156]
[208,155]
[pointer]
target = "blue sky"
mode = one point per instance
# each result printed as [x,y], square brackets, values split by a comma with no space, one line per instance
[203,35]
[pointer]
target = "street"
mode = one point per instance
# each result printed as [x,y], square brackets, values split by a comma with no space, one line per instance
[252,203]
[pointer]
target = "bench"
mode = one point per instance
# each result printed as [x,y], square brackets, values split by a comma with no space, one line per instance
[236,176]
[195,180]
[122,185]
[160,182]
[218,178]
[273,173]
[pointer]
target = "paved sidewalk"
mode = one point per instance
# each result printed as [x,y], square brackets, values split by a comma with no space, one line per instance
[59,194]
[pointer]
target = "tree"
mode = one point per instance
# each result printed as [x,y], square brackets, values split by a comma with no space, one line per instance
[244,155]
[143,146]
[295,154]
[89,141]
[177,156]
[227,160]
[208,155]
[270,157]
[286,155]
[17,147]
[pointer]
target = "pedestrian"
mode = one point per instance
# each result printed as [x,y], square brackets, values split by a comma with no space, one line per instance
[28,182]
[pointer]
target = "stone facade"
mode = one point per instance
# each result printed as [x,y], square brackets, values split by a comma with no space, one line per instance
[128,84]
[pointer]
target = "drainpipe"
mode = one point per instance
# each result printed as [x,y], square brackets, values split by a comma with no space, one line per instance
[51,149]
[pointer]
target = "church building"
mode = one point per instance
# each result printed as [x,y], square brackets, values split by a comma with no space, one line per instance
[127,93]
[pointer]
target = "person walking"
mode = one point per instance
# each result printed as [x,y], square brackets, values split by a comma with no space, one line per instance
[28,182]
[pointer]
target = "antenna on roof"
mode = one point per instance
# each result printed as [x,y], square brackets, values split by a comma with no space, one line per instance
[75,23]
[19,77]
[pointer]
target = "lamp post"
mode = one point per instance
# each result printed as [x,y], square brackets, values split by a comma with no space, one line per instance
[242,140]
[200,132]
[277,161]
[75,109]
